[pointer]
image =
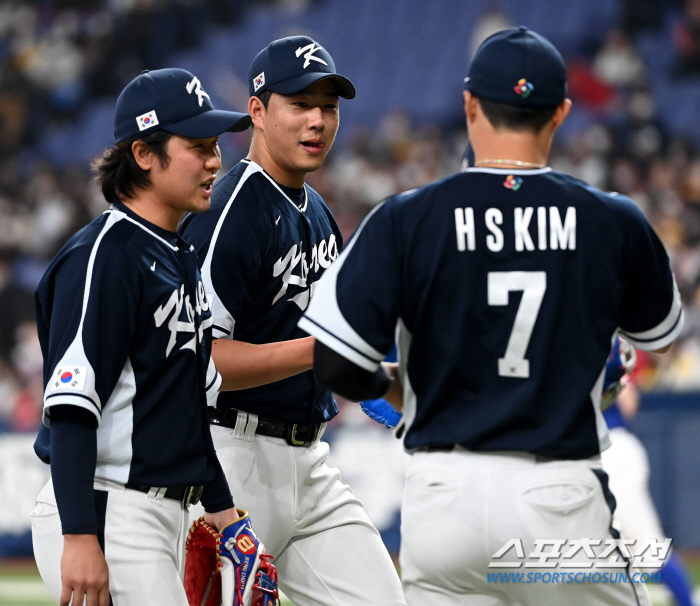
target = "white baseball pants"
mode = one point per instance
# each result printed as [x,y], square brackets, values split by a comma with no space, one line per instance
[627,465]
[144,537]
[461,507]
[327,552]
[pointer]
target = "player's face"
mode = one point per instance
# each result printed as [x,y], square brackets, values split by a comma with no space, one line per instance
[185,183]
[298,131]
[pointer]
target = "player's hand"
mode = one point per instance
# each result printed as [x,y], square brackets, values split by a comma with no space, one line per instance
[220,519]
[394,395]
[84,573]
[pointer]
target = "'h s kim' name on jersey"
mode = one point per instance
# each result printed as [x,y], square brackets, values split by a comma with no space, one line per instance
[553,232]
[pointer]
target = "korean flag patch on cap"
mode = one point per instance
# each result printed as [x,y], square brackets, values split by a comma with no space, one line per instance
[259,81]
[147,120]
[70,378]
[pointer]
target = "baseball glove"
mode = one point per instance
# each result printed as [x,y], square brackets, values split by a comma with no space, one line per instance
[620,362]
[230,568]
[382,412]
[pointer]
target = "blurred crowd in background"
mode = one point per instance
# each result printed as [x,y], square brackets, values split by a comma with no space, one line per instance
[55,55]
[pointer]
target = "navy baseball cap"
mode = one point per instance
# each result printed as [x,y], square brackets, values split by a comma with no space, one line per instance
[173,100]
[289,65]
[518,67]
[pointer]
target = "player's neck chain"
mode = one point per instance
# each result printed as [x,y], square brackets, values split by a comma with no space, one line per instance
[499,162]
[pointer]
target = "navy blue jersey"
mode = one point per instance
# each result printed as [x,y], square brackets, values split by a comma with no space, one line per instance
[507,288]
[261,257]
[125,330]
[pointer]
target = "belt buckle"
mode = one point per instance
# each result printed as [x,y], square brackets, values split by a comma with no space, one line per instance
[192,495]
[292,436]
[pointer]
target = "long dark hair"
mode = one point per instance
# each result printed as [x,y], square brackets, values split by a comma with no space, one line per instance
[117,172]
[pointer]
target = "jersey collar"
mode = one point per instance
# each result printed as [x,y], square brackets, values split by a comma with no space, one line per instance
[170,237]
[509,171]
[302,208]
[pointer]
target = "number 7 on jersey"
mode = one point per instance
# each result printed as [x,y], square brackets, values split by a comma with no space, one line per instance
[533,284]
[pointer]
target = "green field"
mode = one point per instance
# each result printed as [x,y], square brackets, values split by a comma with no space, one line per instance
[20,585]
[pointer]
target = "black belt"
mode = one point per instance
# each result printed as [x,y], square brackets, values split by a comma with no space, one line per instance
[187,495]
[431,448]
[295,434]
[452,447]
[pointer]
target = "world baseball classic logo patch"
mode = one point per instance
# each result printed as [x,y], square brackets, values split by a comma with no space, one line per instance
[147,120]
[70,378]
[523,88]
[512,182]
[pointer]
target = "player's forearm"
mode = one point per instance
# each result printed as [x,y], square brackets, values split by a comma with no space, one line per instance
[244,365]
[394,394]
[73,460]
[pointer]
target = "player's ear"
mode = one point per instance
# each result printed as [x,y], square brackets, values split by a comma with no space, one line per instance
[470,106]
[142,154]
[257,110]
[561,113]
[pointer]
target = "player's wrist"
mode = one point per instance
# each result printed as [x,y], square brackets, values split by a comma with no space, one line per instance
[80,539]
[222,519]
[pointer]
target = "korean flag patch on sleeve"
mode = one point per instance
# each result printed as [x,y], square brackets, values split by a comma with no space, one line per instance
[69,378]
[147,120]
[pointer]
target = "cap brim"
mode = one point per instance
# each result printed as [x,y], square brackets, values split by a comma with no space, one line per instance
[209,124]
[299,83]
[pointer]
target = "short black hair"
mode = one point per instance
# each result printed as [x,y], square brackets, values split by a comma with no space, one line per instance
[265,97]
[515,118]
[117,172]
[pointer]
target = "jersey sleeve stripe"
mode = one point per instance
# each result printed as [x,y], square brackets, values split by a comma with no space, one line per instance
[665,332]
[221,330]
[217,377]
[661,341]
[212,391]
[73,399]
[338,345]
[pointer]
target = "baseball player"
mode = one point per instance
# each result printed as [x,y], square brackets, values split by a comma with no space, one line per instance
[125,330]
[264,244]
[490,277]
[627,466]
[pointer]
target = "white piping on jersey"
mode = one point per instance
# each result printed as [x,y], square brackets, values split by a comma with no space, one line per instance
[213,380]
[114,435]
[600,424]
[403,345]
[663,334]
[510,171]
[217,306]
[123,215]
[344,340]
[76,351]
[251,170]
[118,216]
[75,354]
[277,187]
